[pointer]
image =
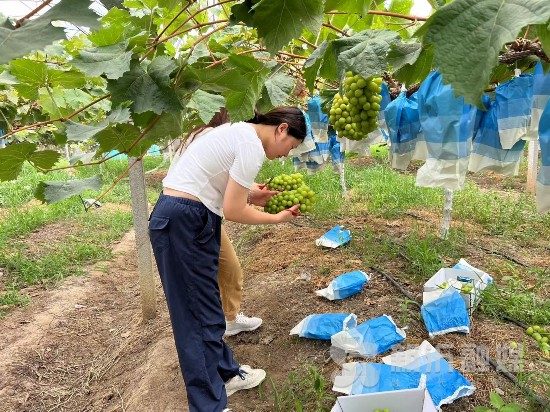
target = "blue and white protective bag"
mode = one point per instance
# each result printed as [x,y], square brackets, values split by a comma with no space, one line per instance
[403,124]
[444,383]
[448,126]
[345,285]
[541,94]
[487,152]
[366,377]
[446,314]
[543,179]
[323,326]
[514,104]
[370,338]
[335,237]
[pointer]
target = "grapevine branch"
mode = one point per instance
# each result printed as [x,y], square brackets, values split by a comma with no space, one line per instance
[79,165]
[227,58]
[308,43]
[59,119]
[31,13]
[172,21]
[336,29]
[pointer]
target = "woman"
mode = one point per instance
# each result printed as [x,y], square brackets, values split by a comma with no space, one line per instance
[213,174]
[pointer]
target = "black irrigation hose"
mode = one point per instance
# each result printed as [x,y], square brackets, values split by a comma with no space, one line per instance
[503,371]
[396,284]
[502,254]
[517,322]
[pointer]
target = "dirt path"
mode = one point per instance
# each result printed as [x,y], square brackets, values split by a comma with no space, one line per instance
[83,347]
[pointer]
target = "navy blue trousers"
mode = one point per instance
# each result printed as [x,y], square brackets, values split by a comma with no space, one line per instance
[185,236]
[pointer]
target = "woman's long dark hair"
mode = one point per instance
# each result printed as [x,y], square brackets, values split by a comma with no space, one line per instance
[283,114]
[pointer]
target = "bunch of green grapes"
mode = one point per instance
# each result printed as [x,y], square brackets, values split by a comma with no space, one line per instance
[286,182]
[355,114]
[288,198]
[541,335]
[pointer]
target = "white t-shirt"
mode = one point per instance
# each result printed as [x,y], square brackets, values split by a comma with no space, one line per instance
[204,168]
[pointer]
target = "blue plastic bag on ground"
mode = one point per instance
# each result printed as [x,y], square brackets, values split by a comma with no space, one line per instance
[370,338]
[487,151]
[345,285]
[366,377]
[335,237]
[543,179]
[514,104]
[323,326]
[446,314]
[448,126]
[444,383]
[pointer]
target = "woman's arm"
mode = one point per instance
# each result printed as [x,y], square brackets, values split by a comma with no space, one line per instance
[237,210]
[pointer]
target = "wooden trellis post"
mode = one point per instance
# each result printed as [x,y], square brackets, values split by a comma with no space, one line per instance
[143,245]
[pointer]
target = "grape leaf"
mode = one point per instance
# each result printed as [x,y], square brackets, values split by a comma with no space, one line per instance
[365,53]
[279,87]
[50,192]
[7,78]
[29,72]
[349,6]
[206,104]
[70,79]
[37,33]
[12,158]
[200,51]
[468,35]
[242,12]
[44,159]
[412,73]
[167,127]
[280,21]
[117,137]
[313,64]
[52,101]
[78,132]
[146,87]
[244,85]
[113,61]
[401,54]
[76,98]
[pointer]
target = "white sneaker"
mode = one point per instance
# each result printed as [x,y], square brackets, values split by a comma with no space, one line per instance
[250,379]
[241,323]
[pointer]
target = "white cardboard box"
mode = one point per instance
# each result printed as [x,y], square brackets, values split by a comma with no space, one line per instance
[433,290]
[405,400]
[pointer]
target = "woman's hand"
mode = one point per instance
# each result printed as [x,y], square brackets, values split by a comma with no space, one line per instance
[288,215]
[259,197]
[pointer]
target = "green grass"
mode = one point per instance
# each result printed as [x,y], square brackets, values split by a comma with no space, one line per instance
[513,297]
[53,262]
[305,389]
[89,235]
[387,193]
